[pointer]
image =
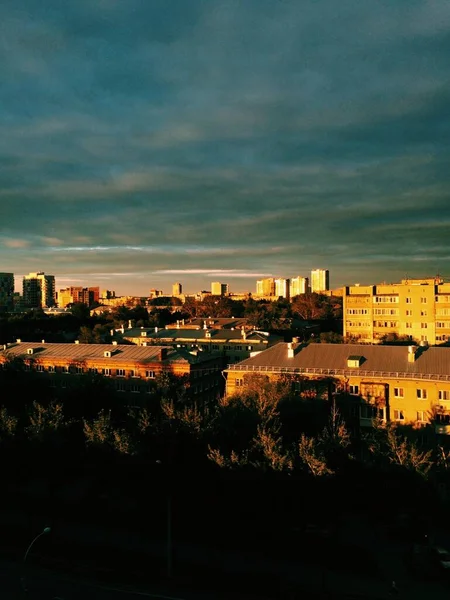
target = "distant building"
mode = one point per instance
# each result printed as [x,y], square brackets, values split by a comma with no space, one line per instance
[177,289]
[108,294]
[72,295]
[6,291]
[39,290]
[219,289]
[155,293]
[282,288]
[320,280]
[265,287]
[232,344]
[298,285]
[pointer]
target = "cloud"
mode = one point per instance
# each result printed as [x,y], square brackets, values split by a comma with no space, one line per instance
[148,138]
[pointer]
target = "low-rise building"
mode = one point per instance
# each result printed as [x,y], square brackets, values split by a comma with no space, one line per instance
[134,369]
[406,384]
[232,344]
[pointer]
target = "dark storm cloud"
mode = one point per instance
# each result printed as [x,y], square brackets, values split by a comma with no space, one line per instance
[198,137]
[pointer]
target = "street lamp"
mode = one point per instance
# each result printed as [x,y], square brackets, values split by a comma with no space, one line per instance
[45,531]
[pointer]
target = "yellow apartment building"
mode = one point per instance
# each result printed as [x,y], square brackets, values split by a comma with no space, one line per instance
[405,384]
[417,308]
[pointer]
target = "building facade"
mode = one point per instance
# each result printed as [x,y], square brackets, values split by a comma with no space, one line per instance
[405,384]
[219,289]
[6,292]
[233,345]
[39,290]
[132,369]
[298,285]
[71,295]
[265,287]
[320,280]
[177,289]
[417,309]
[282,288]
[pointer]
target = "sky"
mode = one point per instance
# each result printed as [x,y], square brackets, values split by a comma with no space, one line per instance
[147,142]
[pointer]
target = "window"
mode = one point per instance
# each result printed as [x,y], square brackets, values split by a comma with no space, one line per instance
[135,388]
[120,386]
[92,370]
[370,412]
[250,348]
[353,389]
[78,370]
[423,300]
[444,395]
[63,384]
[120,372]
[423,313]
[40,368]
[421,416]
[421,394]
[423,338]
[215,346]
[408,312]
[408,300]
[133,373]
[150,374]
[399,415]
[106,372]
[64,370]
[238,348]
[51,369]
[239,382]
[424,325]
[399,392]
[408,325]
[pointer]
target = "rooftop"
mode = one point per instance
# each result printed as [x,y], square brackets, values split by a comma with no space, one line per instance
[331,359]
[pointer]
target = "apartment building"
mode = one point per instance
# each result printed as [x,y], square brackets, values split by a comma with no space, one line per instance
[320,280]
[6,291]
[219,289]
[131,369]
[298,285]
[265,287]
[417,308]
[405,384]
[39,290]
[282,288]
[85,295]
[233,345]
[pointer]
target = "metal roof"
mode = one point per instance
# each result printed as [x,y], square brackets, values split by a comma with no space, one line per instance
[120,353]
[379,361]
[217,335]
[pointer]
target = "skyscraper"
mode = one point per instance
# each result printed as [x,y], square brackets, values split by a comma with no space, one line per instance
[39,290]
[6,291]
[320,280]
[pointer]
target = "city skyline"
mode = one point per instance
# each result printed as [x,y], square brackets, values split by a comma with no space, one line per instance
[145,143]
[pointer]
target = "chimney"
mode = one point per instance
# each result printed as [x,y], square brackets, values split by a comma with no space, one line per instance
[156,330]
[290,350]
[43,341]
[178,324]
[205,326]
[129,324]
[162,353]
[77,341]
[243,333]
[412,351]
